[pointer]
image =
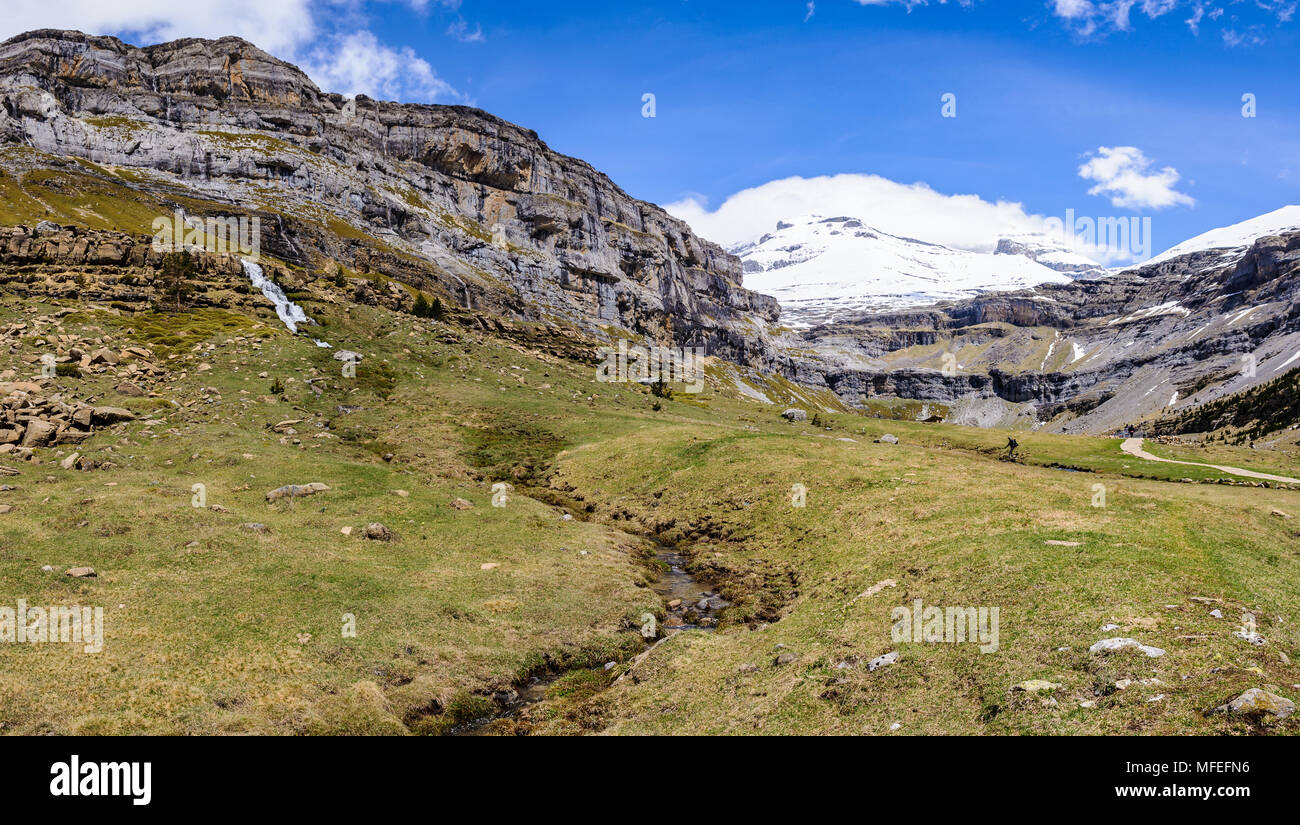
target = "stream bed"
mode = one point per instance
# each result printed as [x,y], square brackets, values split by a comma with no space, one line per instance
[690,604]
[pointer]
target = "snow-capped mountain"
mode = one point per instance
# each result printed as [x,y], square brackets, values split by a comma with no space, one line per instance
[1051,255]
[1233,240]
[820,269]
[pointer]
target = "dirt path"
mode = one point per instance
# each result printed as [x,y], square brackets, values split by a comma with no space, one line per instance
[1133,446]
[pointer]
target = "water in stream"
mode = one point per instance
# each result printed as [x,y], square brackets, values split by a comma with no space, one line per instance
[690,604]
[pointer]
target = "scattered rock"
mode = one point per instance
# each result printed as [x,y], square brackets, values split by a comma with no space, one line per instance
[881,661]
[6,509]
[401,494]
[1035,686]
[1216,613]
[1250,636]
[296,490]
[257,527]
[1256,703]
[874,589]
[1111,645]
[461,504]
[747,668]
[70,462]
[794,414]
[347,531]
[1281,515]
[378,532]
[82,572]
[1056,543]
[110,415]
[887,439]
[786,658]
[489,565]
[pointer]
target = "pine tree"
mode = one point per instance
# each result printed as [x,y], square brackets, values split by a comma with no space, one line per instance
[174,286]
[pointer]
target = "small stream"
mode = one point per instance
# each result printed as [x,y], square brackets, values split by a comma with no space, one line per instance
[690,604]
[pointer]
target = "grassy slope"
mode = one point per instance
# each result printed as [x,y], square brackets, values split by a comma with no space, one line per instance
[208,637]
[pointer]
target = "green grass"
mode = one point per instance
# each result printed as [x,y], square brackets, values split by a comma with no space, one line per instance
[223,630]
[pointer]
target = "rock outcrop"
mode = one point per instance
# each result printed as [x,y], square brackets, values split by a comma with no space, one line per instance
[1091,356]
[447,198]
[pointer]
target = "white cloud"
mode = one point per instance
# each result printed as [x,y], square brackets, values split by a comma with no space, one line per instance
[274,25]
[1088,17]
[359,64]
[1124,174]
[328,39]
[461,31]
[908,210]
[812,9]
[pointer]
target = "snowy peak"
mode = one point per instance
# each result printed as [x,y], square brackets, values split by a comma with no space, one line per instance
[1234,239]
[823,268]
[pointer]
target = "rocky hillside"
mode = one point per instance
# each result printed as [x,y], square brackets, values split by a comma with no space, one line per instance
[1089,356]
[105,135]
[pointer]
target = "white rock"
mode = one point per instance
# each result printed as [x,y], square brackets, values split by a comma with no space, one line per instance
[1111,645]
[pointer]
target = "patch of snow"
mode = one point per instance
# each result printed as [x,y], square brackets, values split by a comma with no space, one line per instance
[814,266]
[1238,236]
[1288,363]
[1169,308]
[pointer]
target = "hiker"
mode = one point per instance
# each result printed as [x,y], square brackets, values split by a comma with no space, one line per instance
[1012,444]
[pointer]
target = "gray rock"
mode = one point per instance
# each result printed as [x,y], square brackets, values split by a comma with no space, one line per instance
[1258,703]
[794,414]
[1112,645]
[378,532]
[296,491]
[881,661]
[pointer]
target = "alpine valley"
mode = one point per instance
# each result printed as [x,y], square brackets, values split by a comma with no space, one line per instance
[385,417]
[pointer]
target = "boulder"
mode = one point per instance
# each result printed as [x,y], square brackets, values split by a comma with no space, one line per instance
[1258,703]
[39,433]
[110,415]
[794,414]
[378,532]
[1112,645]
[296,491]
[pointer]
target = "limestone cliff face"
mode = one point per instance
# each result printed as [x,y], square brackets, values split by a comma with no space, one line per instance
[443,197]
[1091,356]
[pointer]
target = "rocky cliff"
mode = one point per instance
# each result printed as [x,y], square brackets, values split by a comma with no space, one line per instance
[444,198]
[1089,356]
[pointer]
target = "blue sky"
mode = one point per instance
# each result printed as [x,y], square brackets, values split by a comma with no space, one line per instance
[757,91]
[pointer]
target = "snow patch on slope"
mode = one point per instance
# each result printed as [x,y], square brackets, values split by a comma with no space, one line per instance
[1237,237]
[822,268]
